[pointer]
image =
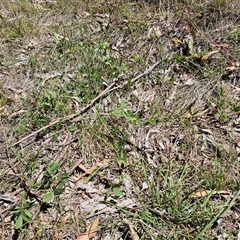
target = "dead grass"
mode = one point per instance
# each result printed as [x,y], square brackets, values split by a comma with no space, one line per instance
[141,151]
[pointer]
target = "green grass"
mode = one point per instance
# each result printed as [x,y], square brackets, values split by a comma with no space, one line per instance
[155,141]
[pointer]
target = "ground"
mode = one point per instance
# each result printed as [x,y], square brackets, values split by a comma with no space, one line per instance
[119,119]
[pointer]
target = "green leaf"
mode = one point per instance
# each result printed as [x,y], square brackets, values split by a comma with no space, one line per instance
[117,112]
[179,58]
[236,109]
[58,191]
[3,100]
[223,118]
[122,104]
[46,159]
[117,192]
[25,218]
[52,94]
[52,169]
[108,192]
[36,185]
[48,197]
[130,116]
[63,176]
[190,46]
[73,128]
[16,209]
[21,128]
[27,213]
[19,222]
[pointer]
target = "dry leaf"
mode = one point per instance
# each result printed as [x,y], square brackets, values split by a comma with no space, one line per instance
[83,237]
[207,155]
[127,203]
[186,27]
[93,226]
[134,235]
[158,31]
[207,192]
[177,41]
[233,66]
[56,237]
[223,45]
[205,57]
[189,230]
[91,231]
[90,170]
[86,171]
[4,111]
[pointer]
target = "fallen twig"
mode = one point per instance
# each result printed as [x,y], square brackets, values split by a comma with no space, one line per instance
[74,117]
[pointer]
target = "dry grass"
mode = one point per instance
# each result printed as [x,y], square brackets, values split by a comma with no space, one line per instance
[145,149]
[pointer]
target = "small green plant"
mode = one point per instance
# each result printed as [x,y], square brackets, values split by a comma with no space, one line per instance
[192,54]
[21,216]
[123,112]
[114,191]
[57,180]
[53,182]
[21,128]
[235,34]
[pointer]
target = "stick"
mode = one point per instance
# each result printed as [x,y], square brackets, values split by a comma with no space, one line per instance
[146,72]
[105,92]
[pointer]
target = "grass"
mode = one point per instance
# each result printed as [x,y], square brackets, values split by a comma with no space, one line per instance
[161,151]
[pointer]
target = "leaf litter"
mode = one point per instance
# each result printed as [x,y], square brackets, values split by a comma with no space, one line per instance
[176,98]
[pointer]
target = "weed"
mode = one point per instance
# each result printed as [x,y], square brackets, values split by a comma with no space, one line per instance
[122,112]
[235,34]
[21,216]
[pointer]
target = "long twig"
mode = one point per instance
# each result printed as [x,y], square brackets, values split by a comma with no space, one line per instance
[74,116]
